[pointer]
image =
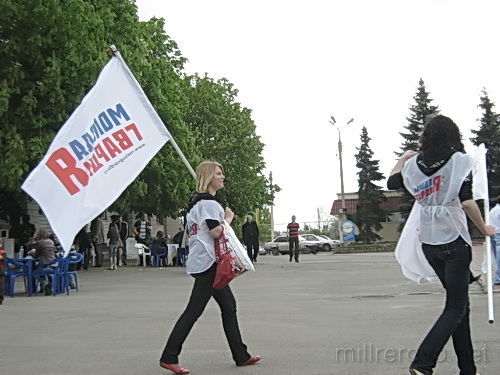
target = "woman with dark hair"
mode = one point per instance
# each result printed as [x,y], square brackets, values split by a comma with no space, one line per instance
[440,179]
[205,222]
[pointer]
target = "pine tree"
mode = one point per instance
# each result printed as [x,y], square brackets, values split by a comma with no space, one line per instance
[489,134]
[419,113]
[368,212]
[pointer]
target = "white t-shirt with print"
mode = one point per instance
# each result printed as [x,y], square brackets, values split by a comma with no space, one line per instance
[201,243]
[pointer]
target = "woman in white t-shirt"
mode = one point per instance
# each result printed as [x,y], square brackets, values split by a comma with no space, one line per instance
[205,219]
[439,177]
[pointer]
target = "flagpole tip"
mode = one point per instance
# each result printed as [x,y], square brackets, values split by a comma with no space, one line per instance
[113,49]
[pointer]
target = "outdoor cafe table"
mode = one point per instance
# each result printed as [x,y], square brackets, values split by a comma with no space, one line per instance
[30,265]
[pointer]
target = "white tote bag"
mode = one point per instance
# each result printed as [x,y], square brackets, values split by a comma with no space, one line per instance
[236,249]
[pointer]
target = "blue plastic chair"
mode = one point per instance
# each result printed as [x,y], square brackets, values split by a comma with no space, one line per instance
[13,270]
[74,259]
[57,272]
[157,255]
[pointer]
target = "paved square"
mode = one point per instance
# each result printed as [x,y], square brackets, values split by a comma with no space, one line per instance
[348,314]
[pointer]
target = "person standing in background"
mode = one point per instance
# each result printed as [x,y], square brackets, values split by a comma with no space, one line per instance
[292,231]
[98,239]
[84,246]
[114,243]
[142,230]
[26,233]
[250,232]
[123,228]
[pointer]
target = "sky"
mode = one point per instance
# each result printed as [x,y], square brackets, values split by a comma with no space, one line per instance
[297,63]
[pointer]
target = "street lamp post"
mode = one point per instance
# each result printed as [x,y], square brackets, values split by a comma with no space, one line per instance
[272,205]
[343,213]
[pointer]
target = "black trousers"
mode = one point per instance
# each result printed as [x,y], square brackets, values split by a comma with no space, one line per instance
[124,250]
[255,247]
[291,242]
[200,295]
[98,248]
[451,262]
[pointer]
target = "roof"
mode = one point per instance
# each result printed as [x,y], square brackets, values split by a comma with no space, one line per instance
[391,205]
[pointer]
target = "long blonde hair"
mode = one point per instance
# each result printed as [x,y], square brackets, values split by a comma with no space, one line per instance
[204,174]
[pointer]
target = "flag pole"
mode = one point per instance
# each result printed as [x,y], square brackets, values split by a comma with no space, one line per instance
[486,202]
[186,163]
[117,54]
[491,313]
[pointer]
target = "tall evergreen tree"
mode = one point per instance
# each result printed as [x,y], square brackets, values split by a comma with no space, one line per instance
[369,214]
[419,112]
[489,134]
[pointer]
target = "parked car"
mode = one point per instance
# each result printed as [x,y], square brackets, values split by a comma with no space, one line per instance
[328,243]
[307,245]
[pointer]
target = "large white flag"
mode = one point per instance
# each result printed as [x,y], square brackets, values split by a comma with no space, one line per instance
[98,152]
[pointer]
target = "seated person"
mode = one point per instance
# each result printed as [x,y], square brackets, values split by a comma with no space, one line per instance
[57,244]
[45,252]
[159,246]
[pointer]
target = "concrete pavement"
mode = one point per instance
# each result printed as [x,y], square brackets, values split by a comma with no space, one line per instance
[347,314]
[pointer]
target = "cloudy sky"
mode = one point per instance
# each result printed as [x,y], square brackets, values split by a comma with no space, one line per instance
[296,63]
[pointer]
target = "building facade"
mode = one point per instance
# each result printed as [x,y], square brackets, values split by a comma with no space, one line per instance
[389,231]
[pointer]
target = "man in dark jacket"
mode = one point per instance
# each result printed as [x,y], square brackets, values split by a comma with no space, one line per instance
[250,232]
[123,228]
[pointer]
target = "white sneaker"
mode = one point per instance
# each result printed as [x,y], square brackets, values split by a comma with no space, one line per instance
[415,372]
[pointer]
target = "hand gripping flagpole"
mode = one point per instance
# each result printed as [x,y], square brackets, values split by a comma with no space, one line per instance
[117,54]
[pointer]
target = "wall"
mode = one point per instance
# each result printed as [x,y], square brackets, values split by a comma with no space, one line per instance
[389,231]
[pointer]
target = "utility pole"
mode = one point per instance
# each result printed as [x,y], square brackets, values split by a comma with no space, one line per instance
[272,204]
[343,213]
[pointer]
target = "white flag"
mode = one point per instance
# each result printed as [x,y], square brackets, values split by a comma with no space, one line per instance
[99,151]
[479,174]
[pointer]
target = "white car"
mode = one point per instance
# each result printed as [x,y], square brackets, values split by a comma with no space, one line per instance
[306,245]
[328,243]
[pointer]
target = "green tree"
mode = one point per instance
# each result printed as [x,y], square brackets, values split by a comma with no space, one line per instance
[368,212]
[50,54]
[165,185]
[225,132]
[419,113]
[489,134]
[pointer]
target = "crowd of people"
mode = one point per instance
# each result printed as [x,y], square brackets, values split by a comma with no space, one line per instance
[91,241]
